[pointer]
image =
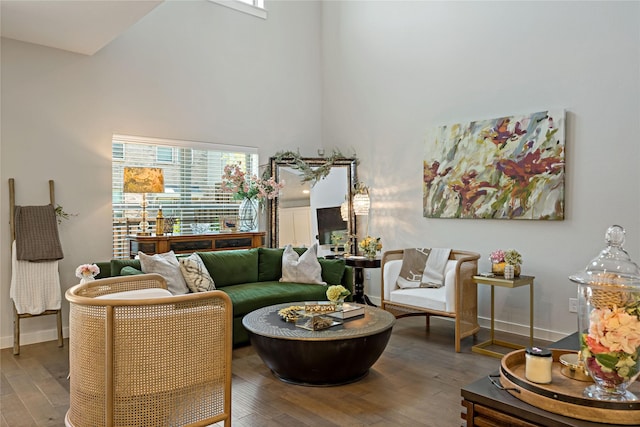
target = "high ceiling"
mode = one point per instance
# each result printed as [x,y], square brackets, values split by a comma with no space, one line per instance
[81,26]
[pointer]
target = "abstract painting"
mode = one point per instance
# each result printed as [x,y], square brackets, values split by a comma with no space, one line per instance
[505,168]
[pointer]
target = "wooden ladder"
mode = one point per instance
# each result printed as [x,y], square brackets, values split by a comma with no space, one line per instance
[17,316]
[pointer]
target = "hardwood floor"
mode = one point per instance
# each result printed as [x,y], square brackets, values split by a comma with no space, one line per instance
[416,382]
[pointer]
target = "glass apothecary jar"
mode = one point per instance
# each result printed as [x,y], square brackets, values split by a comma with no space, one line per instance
[609,320]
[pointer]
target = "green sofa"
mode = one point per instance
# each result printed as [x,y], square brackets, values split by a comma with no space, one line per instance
[251,279]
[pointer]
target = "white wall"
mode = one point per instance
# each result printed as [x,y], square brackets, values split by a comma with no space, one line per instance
[392,70]
[189,70]
[382,74]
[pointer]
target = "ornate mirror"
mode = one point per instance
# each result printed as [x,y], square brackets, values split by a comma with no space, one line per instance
[315,204]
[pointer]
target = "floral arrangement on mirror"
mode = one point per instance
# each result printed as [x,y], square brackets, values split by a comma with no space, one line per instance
[500,259]
[309,173]
[251,187]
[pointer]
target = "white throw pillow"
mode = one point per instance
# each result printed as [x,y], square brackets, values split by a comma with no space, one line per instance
[167,266]
[196,274]
[303,268]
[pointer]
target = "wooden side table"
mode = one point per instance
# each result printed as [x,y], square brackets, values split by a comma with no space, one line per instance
[504,283]
[359,263]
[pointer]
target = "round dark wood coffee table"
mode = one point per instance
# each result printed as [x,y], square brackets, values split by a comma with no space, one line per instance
[339,355]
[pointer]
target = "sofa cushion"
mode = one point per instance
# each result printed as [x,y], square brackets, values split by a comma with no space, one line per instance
[130,271]
[429,298]
[247,297]
[269,264]
[196,274]
[303,268]
[332,270]
[231,267]
[168,267]
[138,294]
[105,269]
[118,264]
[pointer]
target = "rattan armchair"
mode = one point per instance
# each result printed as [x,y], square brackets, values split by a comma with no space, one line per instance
[458,299]
[156,361]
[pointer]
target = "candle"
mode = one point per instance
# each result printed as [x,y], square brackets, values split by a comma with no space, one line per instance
[509,272]
[538,363]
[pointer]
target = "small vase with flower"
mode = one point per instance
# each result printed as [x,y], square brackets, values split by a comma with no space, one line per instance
[500,259]
[87,272]
[370,246]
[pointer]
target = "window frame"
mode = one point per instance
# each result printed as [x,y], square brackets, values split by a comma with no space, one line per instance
[209,203]
[251,7]
[159,149]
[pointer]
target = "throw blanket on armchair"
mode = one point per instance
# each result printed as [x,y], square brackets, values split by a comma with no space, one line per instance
[423,268]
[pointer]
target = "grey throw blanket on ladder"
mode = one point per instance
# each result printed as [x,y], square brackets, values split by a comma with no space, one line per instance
[37,236]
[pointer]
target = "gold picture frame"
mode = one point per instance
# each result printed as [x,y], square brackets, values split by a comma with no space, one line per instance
[228,223]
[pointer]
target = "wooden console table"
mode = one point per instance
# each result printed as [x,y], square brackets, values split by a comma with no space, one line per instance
[187,243]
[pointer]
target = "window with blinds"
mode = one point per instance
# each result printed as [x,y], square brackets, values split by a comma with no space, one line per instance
[192,176]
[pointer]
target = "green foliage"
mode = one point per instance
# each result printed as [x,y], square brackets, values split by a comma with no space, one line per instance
[309,174]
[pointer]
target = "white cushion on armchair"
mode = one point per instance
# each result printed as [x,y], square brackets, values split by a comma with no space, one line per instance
[441,299]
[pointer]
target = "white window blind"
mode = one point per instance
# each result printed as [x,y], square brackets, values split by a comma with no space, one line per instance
[192,175]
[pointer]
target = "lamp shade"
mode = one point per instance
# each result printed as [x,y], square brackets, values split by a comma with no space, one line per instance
[361,203]
[344,210]
[143,180]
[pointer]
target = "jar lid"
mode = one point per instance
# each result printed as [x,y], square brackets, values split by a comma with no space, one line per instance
[612,266]
[538,351]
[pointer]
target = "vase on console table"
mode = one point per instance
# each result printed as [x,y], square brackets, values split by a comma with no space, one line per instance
[248,214]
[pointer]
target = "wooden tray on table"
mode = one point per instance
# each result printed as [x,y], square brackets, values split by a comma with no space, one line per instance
[564,395]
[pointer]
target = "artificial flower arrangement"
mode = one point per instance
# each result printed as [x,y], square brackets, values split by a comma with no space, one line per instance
[370,245]
[510,256]
[611,348]
[243,186]
[337,292]
[87,271]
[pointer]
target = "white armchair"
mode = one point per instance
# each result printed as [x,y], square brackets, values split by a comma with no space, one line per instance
[457,299]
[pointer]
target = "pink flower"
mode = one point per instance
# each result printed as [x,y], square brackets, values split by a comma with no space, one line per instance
[248,187]
[87,270]
[497,256]
[615,329]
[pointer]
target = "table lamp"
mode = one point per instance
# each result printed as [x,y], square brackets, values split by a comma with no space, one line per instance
[143,180]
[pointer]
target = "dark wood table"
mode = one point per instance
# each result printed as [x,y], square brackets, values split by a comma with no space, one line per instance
[359,263]
[188,243]
[339,355]
[487,405]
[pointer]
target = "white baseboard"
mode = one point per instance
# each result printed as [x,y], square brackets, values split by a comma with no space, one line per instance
[34,337]
[518,329]
[513,328]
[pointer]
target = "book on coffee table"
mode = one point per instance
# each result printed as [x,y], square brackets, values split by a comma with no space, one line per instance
[348,311]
